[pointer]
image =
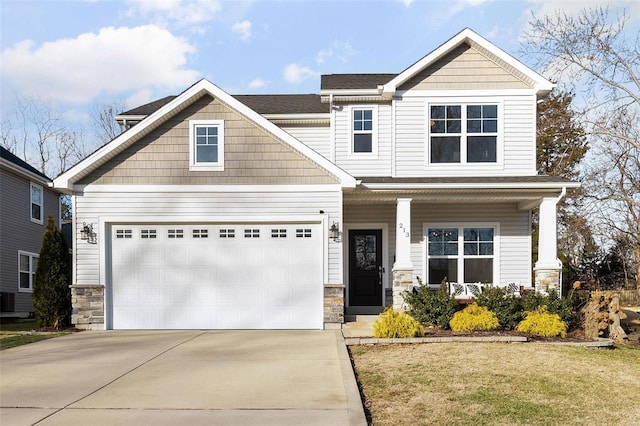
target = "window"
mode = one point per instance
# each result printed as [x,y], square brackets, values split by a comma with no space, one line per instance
[200,233]
[362,130]
[148,233]
[27,264]
[36,203]
[124,233]
[303,233]
[227,233]
[278,233]
[175,233]
[206,145]
[463,133]
[252,233]
[460,254]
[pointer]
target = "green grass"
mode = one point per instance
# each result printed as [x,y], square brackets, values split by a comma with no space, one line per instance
[498,384]
[13,332]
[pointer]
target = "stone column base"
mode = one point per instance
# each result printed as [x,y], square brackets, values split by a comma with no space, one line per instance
[402,282]
[547,280]
[87,304]
[333,304]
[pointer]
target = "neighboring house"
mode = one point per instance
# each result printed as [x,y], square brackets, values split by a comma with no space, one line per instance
[286,211]
[26,201]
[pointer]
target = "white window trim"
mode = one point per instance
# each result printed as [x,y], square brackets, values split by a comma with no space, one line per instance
[374,131]
[463,146]
[460,226]
[193,164]
[31,271]
[34,220]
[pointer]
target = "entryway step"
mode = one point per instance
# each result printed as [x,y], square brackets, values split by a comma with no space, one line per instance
[358,325]
[360,318]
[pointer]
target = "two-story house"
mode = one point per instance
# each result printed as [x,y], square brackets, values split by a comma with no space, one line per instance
[26,200]
[286,211]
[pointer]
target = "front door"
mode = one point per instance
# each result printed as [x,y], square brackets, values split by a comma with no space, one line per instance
[365,267]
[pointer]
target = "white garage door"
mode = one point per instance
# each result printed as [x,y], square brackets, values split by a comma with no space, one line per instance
[236,276]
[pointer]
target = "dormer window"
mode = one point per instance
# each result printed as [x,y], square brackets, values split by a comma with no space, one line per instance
[463,133]
[363,125]
[206,145]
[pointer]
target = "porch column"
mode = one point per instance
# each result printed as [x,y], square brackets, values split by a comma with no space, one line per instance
[403,267]
[548,267]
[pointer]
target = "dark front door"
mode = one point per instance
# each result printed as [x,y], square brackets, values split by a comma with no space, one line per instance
[365,267]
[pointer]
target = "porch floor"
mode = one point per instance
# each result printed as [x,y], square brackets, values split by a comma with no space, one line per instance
[358,325]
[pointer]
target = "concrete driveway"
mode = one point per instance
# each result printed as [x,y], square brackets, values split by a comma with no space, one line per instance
[181,377]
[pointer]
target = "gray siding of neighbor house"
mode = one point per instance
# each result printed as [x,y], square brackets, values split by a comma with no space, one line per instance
[251,155]
[465,68]
[18,232]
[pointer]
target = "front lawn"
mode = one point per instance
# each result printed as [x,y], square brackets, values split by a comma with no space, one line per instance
[498,384]
[16,332]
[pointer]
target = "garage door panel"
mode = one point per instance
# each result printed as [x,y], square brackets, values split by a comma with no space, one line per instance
[256,276]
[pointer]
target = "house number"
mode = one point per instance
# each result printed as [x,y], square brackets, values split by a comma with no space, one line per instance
[404,231]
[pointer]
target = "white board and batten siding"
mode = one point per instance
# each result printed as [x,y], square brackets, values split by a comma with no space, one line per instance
[517,130]
[99,207]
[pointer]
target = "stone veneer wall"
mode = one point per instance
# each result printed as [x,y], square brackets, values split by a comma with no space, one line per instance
[546,280]
[333,304]
[402,282]
[88,307]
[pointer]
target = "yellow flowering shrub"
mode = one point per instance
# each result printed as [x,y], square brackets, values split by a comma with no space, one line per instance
[542,323]
[474,318]
[393,324]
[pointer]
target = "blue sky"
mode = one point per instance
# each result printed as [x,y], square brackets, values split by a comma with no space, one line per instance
[75,54]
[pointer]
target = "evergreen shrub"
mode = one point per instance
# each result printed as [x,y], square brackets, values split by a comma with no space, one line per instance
[393,324]
[508,308]
[474,318]
[432,308]
[542,323]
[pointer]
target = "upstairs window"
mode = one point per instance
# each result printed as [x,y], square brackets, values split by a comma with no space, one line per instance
[463,133]
[363,125]
[206,149]
[36,203]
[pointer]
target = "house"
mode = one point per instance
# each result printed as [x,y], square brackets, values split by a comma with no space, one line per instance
[25,203]
[288,211]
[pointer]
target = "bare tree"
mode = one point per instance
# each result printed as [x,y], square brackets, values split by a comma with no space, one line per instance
[104,123]
[590,54]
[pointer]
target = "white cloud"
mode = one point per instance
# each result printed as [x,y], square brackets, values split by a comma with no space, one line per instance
[295,73]
[179,12]
[258,83]
[340,50]
[406,3]
[115,60]
[243,29]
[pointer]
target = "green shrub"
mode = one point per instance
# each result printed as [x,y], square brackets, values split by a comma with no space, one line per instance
[542,323]
[474,318]
[562,306]
[393,324]
[432,308]
[508,308]
[51,293]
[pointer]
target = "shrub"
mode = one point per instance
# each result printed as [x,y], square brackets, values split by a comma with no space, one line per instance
[561,306]
[474,318]
[507,307]
[432,308]
[51,293]
[542,323]
[392,324]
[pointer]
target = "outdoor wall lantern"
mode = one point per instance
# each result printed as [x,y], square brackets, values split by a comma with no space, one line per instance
[334,232]
[87,234]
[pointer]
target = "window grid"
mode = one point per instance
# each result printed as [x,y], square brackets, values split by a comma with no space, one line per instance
[148,234]
[252,233]
[124,233]
[362,130]
[200,233]
[206,144]
[227,233]
[27,265]
[175,233]
[303,233]
[278,233]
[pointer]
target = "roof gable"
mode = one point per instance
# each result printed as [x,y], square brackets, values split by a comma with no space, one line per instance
[479,44]
[177,104]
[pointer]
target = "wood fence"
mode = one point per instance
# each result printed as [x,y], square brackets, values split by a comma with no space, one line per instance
[628,297]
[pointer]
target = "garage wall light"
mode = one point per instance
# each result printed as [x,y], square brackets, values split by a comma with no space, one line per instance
[334,232]
[87,234]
